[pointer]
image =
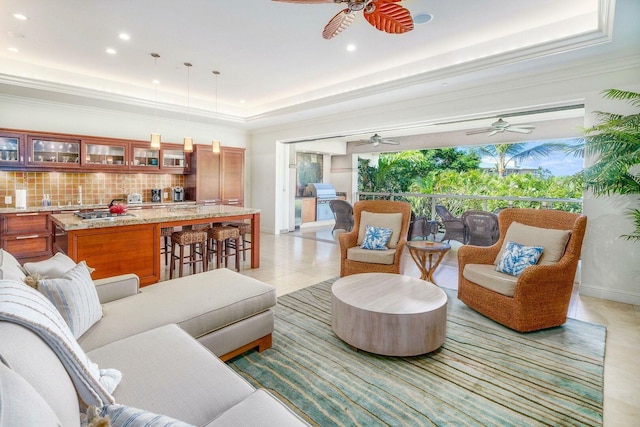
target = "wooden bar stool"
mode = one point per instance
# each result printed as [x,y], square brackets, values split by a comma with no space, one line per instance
[193,239]
[219,238]
[165,250]
[245,229]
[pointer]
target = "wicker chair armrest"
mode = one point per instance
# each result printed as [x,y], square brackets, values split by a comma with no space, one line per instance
[347,240]
[554,279]
[477,254]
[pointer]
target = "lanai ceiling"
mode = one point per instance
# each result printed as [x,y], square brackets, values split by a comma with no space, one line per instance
[271,55]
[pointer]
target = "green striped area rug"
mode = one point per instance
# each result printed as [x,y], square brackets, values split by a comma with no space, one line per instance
[484,374]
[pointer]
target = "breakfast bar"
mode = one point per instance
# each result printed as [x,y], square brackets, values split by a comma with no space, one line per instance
[131,243]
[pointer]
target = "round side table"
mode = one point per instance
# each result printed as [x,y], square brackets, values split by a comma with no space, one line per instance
[427,256]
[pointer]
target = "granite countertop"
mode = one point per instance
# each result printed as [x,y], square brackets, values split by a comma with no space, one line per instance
[89,207]
[70,222]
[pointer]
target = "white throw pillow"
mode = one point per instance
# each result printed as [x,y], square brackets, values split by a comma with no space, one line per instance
[76,298]
[10,268]
[51,268]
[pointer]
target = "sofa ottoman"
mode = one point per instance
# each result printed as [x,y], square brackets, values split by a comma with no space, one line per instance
[227,312]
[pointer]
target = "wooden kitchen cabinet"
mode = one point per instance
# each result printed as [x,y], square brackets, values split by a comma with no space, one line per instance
[202,184]
[107,155]
[216,178]
[11,150]
[53,152]
[308,209]
[232,176]
[27,236]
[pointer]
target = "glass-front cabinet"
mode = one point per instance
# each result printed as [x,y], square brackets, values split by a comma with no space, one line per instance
[145,157]
[53,152]
[106,154]
[11,150]
[173,157]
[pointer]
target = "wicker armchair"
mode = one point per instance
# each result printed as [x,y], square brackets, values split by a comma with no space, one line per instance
[454,228]
[542,292]
[350,240]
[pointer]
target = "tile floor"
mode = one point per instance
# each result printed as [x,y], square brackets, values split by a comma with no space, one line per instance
[310,255]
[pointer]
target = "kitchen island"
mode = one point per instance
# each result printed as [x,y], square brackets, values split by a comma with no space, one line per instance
[131,243]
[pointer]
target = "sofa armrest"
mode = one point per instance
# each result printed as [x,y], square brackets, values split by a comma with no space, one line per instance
[117,287]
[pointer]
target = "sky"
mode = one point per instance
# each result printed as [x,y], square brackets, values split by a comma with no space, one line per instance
[560,164]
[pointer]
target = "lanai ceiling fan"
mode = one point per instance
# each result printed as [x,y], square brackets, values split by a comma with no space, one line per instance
[376,140]
[385,15]
[502,126]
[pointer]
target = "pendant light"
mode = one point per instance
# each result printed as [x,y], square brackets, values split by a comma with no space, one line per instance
[215,144]
[188,141]
[155,137]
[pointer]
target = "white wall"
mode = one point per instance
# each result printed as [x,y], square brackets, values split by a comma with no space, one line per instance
[610,264]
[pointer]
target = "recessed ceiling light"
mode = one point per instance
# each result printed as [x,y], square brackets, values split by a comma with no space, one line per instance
[155,81]
[422,18]
[20,16]
[242,101]
[14,50]
[351,47]
[124,36]
[111,51]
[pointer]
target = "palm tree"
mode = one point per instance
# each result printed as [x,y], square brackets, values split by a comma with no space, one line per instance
[505,153]
[615,142]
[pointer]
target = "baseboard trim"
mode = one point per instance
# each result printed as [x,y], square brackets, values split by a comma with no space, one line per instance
[624,297]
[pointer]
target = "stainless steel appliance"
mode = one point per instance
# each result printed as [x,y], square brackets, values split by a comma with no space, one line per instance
[134,199]
[177,194]
[156,195]
[324,192]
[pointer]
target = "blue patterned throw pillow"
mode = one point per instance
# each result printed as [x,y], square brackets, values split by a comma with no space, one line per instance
[376,238]
[515,258]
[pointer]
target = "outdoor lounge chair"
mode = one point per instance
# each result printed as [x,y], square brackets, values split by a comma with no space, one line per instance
[454,228]
[481,227]
[343,213]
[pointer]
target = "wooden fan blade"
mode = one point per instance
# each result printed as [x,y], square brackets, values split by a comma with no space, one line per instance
[338,24]
[312,1]
[389,17]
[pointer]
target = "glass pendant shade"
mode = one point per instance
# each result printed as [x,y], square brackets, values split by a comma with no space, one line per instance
[155,140]
[215,146]
[188,144]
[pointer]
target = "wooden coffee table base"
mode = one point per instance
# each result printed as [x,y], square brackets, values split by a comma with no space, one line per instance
[389,314]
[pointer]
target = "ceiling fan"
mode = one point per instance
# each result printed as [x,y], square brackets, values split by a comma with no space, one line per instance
[385,15]
[502,126]
[376,140]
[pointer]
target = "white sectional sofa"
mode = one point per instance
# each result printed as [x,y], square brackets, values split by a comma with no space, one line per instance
[162,339]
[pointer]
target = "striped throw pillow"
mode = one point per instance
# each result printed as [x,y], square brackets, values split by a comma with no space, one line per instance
[76,298]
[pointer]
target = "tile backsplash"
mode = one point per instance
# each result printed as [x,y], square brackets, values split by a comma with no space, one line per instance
[64,188]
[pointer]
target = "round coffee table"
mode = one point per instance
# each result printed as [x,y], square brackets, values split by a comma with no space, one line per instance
[423,251]
[389,314]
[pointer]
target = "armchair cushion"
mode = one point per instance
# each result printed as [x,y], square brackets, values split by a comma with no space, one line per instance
[515,258]
[485,275]
[552,240]
[385,220]
[376,238]
[359,254]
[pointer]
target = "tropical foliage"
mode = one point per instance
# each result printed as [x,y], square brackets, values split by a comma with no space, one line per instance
[615,143]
